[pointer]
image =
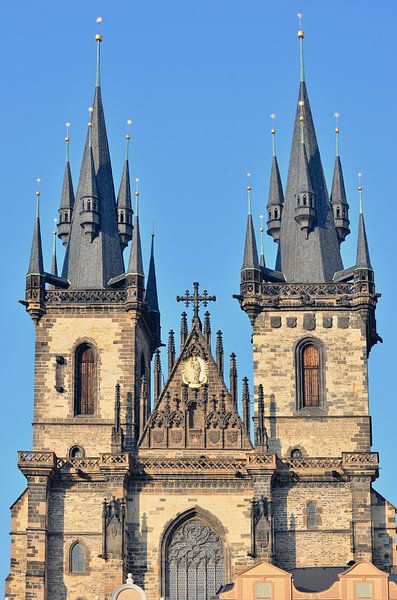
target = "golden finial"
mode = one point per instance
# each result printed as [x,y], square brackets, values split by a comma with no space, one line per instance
[337,115]
[301,35]
[273,132]
[249,192]
[360,192]
[67,139]
[127,137]
[98,37]
[90,110]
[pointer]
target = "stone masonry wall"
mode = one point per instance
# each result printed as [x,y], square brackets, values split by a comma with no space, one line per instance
[343,424]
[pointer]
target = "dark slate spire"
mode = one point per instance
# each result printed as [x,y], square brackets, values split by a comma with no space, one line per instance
[250,259]
[275,202]
[363,260]
[36,264]
[316,257]
[135,265]
[124,206]
[91,261]
[207,328]
[339,203]
[151,287]
[67,197]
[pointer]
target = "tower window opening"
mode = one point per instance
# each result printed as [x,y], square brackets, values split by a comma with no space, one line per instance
[276,213]
[76,452]
[311,379]
[338,213]
[304,200]
[121,217]
[84,380]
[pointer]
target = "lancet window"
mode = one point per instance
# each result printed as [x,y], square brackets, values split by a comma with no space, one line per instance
[84,396]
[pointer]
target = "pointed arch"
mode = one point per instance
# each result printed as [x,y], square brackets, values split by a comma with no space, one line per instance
[193,530]
[85,366]
[310,374]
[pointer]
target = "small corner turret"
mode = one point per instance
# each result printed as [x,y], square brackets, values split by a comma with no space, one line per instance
[67,197]
[275,202]
[35,277]
[124,206]
[339,203]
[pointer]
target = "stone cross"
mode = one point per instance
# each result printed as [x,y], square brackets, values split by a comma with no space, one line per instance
[196,299]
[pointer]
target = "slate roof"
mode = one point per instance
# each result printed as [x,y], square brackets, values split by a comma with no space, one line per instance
[315,579]
[124,195]
[316,258]
[135,265]
[151,296]
[338,192]
[250,259]
[276,195]
[362,260]
[36,266]
[91,264]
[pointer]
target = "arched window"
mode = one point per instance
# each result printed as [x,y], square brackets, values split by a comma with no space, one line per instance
[310,374]
[77,558]
[296,453]
[311,379]
[276,213]
[76,452]
[194,561]
[84,397]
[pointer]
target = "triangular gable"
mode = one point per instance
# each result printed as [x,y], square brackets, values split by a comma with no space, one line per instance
[263,568]
[195,409]
[363,568]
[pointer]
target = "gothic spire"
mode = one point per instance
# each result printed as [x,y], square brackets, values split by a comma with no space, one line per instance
[250,259]
[275,202]
[92,260]
[339,203]
[36,264]
[151,287]
[363,260]
[307,254]
[67,197]
[135,265]
[124,206]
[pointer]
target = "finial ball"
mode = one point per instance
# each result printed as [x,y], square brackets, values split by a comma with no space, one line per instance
[91,110]
[99,19]
[67,124]
[129,122]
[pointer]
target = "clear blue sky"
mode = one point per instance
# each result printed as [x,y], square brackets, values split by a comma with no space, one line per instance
[199,80]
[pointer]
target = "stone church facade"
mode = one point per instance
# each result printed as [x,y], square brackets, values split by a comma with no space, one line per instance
[179,484]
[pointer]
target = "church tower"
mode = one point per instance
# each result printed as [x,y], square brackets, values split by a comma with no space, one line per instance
[96,331]
[313,328]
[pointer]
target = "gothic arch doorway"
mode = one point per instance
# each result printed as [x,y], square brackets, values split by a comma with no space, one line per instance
[193,559]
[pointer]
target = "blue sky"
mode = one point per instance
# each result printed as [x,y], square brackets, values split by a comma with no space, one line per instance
[199,80]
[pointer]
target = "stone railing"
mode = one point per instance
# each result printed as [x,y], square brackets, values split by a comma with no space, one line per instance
[85,296]
[261,460]
[190,464]
[313,463]
[311,289]
[31,457]
[360,458]
[114,459]
[82,463]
